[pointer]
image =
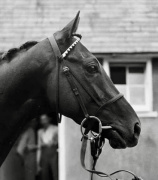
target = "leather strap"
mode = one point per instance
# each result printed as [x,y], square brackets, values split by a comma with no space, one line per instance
[55,47]
[57,55]
[74,88]
[114,99]
[82,158]
[99,173]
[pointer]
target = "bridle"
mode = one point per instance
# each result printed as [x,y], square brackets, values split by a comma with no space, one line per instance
[96,140]
[70,75]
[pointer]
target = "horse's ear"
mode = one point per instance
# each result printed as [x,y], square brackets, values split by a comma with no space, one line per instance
[74,24]
[69,29]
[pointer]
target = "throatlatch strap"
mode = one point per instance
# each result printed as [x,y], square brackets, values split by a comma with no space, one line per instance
[57,55]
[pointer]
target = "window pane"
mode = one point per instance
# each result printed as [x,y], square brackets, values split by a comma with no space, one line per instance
[136,75]
[118,75]
[122,89]
[137,95]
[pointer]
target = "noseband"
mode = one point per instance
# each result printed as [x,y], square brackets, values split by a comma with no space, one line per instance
[96,140]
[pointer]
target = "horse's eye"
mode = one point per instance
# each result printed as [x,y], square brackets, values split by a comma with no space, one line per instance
[92,69]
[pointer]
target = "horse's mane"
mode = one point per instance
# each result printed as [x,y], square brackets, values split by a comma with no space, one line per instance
[11,52]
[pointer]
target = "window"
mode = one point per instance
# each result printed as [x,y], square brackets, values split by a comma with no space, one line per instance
[134,81]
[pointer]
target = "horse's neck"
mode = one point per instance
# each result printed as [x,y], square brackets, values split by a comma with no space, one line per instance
[21,78]
[21,81]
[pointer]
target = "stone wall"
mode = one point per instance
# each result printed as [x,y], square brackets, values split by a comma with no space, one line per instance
[106,25]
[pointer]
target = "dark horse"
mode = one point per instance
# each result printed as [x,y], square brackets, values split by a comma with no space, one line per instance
[28,80]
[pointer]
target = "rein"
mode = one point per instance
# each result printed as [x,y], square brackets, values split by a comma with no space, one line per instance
[96,140]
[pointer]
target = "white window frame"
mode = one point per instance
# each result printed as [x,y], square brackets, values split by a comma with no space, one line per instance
[148,78]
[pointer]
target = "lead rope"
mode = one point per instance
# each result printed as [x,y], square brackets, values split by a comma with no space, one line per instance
[97,143]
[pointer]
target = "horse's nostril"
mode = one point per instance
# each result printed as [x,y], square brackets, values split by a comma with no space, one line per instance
[137,130]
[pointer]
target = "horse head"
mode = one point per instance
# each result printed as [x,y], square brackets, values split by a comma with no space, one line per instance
[96,91]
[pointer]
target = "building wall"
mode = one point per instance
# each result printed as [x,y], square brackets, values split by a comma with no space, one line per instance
[155,83]
[106,25]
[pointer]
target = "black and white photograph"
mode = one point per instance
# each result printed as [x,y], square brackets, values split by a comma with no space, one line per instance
[78,90]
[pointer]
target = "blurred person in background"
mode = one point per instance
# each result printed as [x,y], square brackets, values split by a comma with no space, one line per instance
[47,156]
[27,148]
